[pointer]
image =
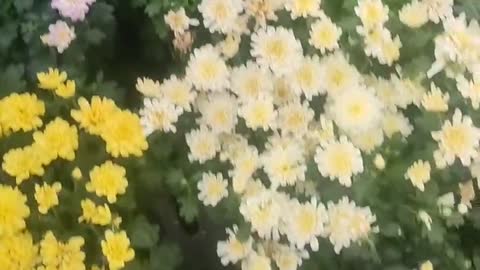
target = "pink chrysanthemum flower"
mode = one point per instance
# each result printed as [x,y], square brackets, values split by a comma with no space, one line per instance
[73,9]
[60,35]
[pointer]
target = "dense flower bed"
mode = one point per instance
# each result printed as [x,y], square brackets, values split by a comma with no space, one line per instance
[290,134]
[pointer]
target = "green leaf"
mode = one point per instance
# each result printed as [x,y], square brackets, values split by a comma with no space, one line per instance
[142,233]
[94,36]
[9,33]
[153,8]
[160,27]
[188,208]
[22,5]
[165,257]
[138,3]
[11,79]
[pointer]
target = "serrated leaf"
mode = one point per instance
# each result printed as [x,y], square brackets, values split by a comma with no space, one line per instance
[165,257]
[94,36]
[142,233]
[188,208]
[11,79]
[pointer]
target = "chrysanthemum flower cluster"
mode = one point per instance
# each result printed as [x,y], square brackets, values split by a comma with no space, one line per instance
[287,109]
[60,34]
[30,199]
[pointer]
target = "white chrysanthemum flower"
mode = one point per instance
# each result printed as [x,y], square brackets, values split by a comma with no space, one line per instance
[475,170]
[176,91]
[355,110]
[392,96]
[230,45]
[372,13]
[233,250]
[277,49]
[426,219]
[339,160]
[379,162]
[318,132]
[435,100]
[457,139]
[458,44]
[305,223]
[203,144]
[294,118]
[212,188]
[244,166]
[282,91]
[408,92]
[232,145]
[438,9]
[470,89]
[284,165]
[414,14]
[255,261]
[263,10]
[264,211]
[303,8]
[380,44]
[178,21]
[426,266]
[394,122]
[305,78]
[368,140]
[219,112]
[206,70]
[259,113]
[220,15]
[324,35]
[348,223]
[148,87]
[59,35]
[338,74]
[287,258]
[250,81]
[419,174]
[467,193]
[159,115]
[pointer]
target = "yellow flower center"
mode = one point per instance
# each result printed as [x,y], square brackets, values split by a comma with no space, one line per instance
[306,222]
[340,162]
[276,49]
[455,139]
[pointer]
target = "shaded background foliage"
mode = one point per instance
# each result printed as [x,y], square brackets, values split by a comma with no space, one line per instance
[121,40]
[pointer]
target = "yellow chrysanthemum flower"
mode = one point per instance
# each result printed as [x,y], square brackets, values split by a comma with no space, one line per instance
[62,256]
[108,180]
[13,210]
[21,112]
[116,247]
[47,196]
[22,163]
[66,90]
[18,252]
[94,115]
[59,139]
[124,135]
[52,79]
[99,215]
